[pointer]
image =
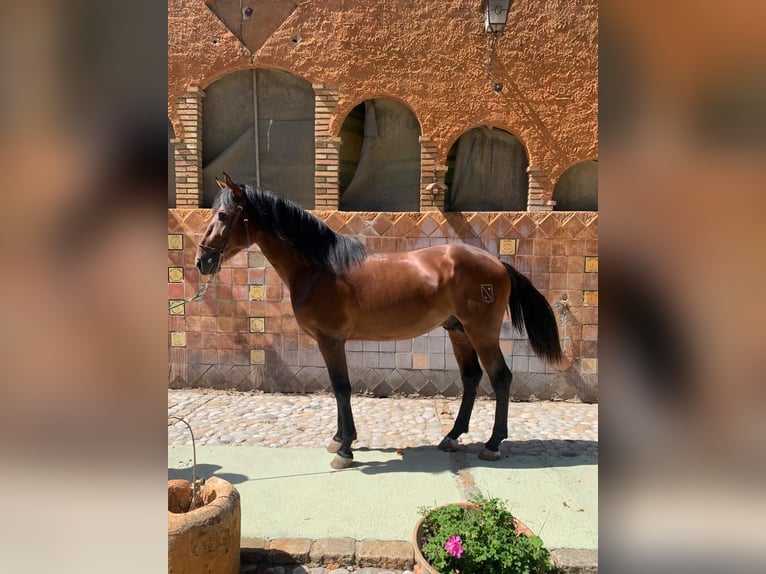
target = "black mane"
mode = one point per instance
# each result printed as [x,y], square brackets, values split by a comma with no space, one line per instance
[306,235]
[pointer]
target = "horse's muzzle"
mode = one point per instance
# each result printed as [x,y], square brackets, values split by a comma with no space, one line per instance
[207,264]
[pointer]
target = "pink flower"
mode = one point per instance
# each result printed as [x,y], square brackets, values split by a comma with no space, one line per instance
[454,546]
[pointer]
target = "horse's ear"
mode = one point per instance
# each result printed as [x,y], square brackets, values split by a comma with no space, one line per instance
[235,189]
[221,184]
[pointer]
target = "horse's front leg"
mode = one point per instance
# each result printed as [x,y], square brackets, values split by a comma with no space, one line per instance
[334,354]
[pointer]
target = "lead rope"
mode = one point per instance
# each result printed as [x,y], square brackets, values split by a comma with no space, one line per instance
[194,465]
[211,278]
[202,290]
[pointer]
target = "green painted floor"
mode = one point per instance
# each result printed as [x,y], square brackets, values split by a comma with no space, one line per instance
[293,492]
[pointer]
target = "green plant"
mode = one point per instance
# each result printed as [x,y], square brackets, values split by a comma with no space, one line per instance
[479,540]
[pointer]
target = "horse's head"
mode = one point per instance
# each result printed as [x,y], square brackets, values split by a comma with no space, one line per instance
[226,233]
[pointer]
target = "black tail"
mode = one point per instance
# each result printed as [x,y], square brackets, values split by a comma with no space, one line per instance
[531,310]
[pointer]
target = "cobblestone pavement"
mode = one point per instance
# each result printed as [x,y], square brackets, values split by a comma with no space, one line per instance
[278,420]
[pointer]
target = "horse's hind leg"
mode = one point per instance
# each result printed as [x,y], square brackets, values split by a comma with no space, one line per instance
[470,374]
[500,376]
[334,444]
[334,355]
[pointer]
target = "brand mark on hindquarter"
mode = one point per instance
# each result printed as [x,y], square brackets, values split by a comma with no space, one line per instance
[487,294]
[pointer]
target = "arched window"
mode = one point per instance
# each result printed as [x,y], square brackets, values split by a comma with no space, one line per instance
[487,171]
[171,168]
[577,188]
[258,126]
[380,158]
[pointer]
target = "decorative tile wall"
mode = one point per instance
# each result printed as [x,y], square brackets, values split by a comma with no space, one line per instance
[242,334]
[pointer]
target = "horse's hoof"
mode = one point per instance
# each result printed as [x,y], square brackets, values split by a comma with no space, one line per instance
[339,462]
[491,455]
[450,445]
[333,446]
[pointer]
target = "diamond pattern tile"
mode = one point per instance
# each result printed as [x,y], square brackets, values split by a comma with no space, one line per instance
[456,225]
[453,390]
[478,223]
[196,221]
[429,389]
[216,377]
[355,225]
[590,231]
[524,225]
[416,379]
[401,227]
[381,389]
[499,225]
[245,385]
[428,226]
[382,223]
[174,224]
[396,380]
[407,388]
[335,221]
[549,225]
[574,225]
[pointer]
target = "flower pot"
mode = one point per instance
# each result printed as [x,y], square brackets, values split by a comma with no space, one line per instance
[421,563]
[204,540]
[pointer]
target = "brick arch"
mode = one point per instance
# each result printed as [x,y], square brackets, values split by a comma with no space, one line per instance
[346,106]
[556,173]
[216,75]
[277,153]
[490,175]
[576,188]
[454,135]
[380,171]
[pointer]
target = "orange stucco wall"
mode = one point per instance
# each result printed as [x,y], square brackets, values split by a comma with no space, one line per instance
[430,55]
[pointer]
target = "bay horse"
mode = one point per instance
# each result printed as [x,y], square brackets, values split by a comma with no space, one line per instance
[341,293]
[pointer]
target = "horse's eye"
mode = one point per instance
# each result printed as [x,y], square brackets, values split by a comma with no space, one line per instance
[221,216]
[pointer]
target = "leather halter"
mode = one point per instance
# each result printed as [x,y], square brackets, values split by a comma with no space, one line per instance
[232,225]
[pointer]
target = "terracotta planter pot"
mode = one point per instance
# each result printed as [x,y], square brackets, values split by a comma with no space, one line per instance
[204,540]
[421,564]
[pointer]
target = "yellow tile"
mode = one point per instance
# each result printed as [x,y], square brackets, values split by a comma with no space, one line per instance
[590,298]
[589,366]
[177,339]
[419,360]
[225,324]
[591,264]
[257,325]
[175,274]
[507,247]
[175,241]
[258,357]
[256,292]
[176,310]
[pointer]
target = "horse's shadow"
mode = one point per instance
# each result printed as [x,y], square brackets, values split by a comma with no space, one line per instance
[430,460]
[518,455]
